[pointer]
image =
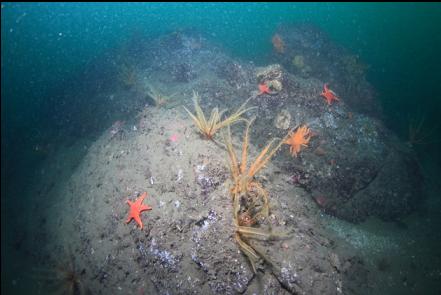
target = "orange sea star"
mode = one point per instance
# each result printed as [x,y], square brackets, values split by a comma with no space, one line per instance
[136,208]
[329,95]
[298,139]
[263,88]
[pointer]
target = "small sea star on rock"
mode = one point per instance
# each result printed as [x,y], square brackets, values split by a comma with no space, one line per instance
[328,94]
[298,139]
[263,88]
[136,208]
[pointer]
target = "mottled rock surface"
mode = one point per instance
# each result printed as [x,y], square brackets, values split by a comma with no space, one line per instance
[352,168]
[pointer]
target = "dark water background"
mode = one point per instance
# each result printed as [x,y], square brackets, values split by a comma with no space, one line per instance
[45,45]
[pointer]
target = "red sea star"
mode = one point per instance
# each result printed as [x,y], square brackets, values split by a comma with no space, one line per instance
[328,94]
[263,88]
[136,208]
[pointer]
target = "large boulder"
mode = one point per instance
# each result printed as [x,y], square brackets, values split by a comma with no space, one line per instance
[353,167]
[352,158]
[310,52]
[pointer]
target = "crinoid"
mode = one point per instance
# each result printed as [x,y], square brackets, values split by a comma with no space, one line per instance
[209,127]
[278,43]
[160,100]
[250,199]
[62,279]
[298,139]
[418,133]
[127,75]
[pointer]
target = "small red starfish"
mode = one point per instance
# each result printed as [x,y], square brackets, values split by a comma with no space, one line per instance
[136,208]
[263,88]
[328,94]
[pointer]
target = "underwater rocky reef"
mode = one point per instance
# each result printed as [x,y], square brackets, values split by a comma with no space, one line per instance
[347,164]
